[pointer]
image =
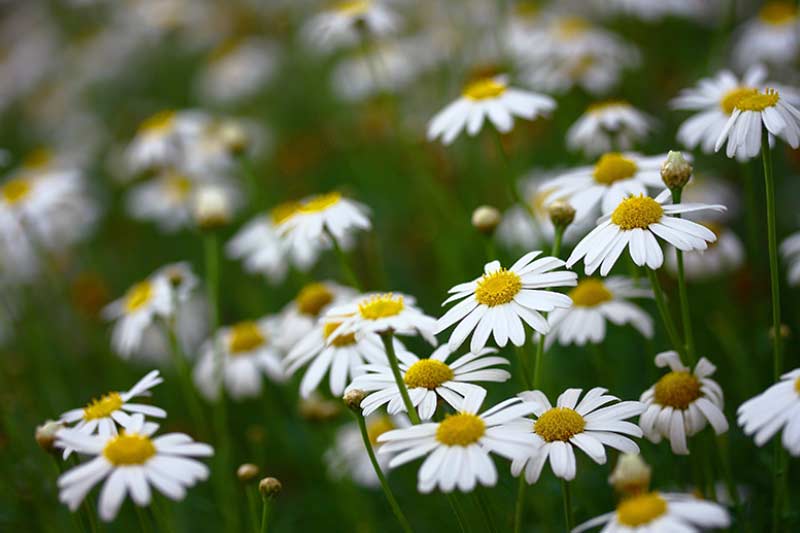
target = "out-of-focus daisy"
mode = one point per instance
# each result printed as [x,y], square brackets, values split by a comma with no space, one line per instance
[142,304]
[607,126]
[606,183]
[742,132]
[166,199]
[586,425]
[498,302]
[776,408]
[458,448]
[790,250]
[428,380]
[102,415]
[651,10]
[682,402]
[490,98]
[131,462]
[318,216]
[593,302]
[348,22]
[246,351]
[635,224]
[722,256]
[237,69]
[705,189]
[771,37]
[300,316]
[658,512]
[160,139]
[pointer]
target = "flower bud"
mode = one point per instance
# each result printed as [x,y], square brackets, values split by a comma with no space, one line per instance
[247,472]
[676,171]
[46,435]
[269,487]
[561,213]
[631,475]
[353,398]
[212,207]
[485,219]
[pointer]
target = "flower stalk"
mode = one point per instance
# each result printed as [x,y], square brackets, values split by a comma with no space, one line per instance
[388,337]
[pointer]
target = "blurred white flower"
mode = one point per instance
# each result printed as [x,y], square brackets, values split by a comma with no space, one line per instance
[722,256]
[348,23]
[238,69]
[776,408]
[773,36]
[608,126]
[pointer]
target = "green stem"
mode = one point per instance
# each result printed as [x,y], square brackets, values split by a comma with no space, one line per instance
[661,302]
[536,378]
[486,511]
[344,263]
[462,522]
[145,524]
[251,492]
[519,509]
[567,497]
[265,512]
[184,374]
[398,513]
[683,294]
[516,197]
[388,344]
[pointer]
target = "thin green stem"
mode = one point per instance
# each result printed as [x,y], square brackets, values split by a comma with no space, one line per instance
[398,513]
[145,525]
[661,303]
[486,511]
[388,343]
[683,294]
[344,262]
[266,503]
[536,366]
[558,236]
[567,497]
[182,368]
[251,491]
[519,508]
[462,522]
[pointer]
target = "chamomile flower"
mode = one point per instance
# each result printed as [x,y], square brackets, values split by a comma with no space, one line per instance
[160,140]
[635,224]
[458,448]
[132,314]
[658,512]
[300,316]
[607,126]
[502,299]
[490,98]
[345,23]
[790,250]
[166,200]
[237,69]
[320,216]
[722,256]
[427,380]
[771,37]
[131,462]
[651,10]
[682,403]
[585,425]
[103,415]
[742,132]
[594,302]
[776,408]
[606,183]
[238,356]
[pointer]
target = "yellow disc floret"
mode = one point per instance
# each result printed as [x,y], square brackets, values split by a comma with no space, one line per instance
[641,509]
[352,7]
[245,337]
[797,385]
[484,88]
[599,107]
[613,167]
[129,449]
[731,98]
[569,28]
[102,407]
[427,373]
[461,429]
[381,306]
[159,122]
[343,339]
[15,190]
[178,186]
[637,212]
[559,423]
[283,212]
[778,13]
[313,298]
[590,292]
[138,296]
[319,203]
[498,288]
[757,101]
[677,390]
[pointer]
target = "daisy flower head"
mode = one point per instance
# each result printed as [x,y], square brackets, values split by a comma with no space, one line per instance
[658,512]
[324,215]
[682,403]
[635,223]
[427,380]
[161,138]
[790,250]
[652,10]
[300,316]
[103,415]
[776,408]
[458,448]
[722,256]
[771,37]
[742,132]
[247,351]
[595,301]
[131,462]
[586,425]
[498,302]
[492,98]
[237,69]
[607,126]
[345,23]
[166,199]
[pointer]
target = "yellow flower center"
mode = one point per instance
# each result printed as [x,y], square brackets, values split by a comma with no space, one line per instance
[129,449]
[599,107]
[38,159]
[797,385]
[138,296]
[319,203]
[614,167]
[352,7]
[16,190]
[637,212]
[732,97]
[778,13]
[461,429]
[483,89]
[717,229]
[677,390]
[158,123]
[283,212]
[757,101]
[381,306]
[103,406]
[378,427]
[427,373]
[569,28]
[345,339]
[245,337]
[641,509]
[559,423]
[313,298]
[589,293]
[178,186]
[498,288]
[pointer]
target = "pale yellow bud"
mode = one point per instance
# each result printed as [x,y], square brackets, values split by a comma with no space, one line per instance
[676,171]
[485,219]
[631,474]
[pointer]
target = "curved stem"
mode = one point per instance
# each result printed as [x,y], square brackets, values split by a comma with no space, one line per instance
[265,512]
[661,302]
[387,338]
[344,263]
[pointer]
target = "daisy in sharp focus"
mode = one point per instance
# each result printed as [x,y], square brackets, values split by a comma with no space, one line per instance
[131,463]
[500,301]
[427,380]
[586,425]
[607,126]
[457,449]
[348,22]
[682,403]
[635,224]
[490,98]
[323,216]
[300,316]
[722,256]
[594,302]
[103,415]
[776,408]
[790,251]
[771,37]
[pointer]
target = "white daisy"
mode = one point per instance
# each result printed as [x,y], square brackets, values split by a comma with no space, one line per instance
[345,22]
[607,126]
[131,462]
[656,512]
[318,216]
[458,448]
[776,408]
[606,183]
[743,130]
[651,10]
[490,98]
[246,351]
[583,424]
[722,256]
[635,224]
[771,37]
[161,138]
[132,314]
[166,199]
[594,302]
[428,380]
[790,250]
[495,302]
[682,402]
[102,415]
[237,69]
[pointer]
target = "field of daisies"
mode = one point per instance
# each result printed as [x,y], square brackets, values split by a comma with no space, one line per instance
[400,266]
